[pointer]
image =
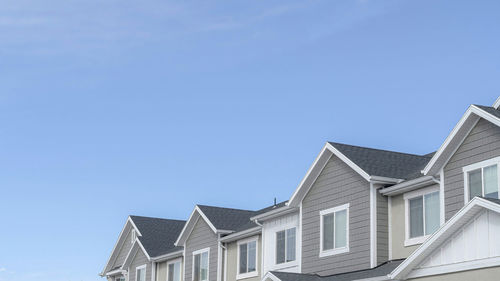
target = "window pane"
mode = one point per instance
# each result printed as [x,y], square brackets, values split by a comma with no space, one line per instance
[204,266]
[328,232]
[252,256]
[196,273]
[416,217]
[243,258]
[171,271]
[340,229]
[475,183]
[280,247]
[431,212]
[290,244]
[490,181]
[177,271]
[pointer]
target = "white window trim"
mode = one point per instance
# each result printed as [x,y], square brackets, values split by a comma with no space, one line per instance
[208,262]
[476,166]
[410,195]
[334,251]
[256,271]
[144,266]
[286,263]
[173,262]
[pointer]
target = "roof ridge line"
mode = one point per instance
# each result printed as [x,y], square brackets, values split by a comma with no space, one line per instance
[156,218]
[200,205]
[379,149]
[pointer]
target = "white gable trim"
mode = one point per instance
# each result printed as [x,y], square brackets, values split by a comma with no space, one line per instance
[123,232]
[496,105]
[455,267]
[271,276]
[133,252]
[190,224]
[471,110]
[419,255]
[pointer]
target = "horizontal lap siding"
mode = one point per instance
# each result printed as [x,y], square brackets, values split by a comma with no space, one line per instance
[382,229]
[124,249]
[337,184]
[139,260]
[201,237]
[481,144]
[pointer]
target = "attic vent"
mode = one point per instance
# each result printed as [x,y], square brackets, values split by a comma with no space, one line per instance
[133,236]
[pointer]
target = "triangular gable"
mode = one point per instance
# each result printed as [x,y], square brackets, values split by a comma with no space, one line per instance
[133,252]
[319,163]
[129,225]
[190,224]
[457,136]
[467,241]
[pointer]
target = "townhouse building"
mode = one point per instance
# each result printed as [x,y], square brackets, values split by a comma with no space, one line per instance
[358,214]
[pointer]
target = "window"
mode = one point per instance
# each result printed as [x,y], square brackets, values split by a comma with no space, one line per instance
[140,273]
[121,278]
[247,258]
[133,236]
[334,230]
[422,215]
[481,179]
[285,245]
[200,265]
[174,270]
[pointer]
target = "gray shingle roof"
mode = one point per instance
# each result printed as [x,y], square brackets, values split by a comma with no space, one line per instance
[490,110]
[226,218]
[158,235]
[381,270]
[384,163]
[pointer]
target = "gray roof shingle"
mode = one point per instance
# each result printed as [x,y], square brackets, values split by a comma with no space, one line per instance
[384,163]
[226,218]
[381,270]
[158,235]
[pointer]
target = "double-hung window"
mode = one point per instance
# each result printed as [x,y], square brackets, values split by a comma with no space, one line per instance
[140,273]
[334,230]
[422,215]
[481,179]
[200,264]
[285,245]
[247,258]
[174,270]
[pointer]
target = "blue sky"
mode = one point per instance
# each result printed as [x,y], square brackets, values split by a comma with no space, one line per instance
[111,108]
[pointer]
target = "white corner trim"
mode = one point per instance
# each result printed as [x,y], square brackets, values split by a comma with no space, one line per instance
[471,110]
[441,198]
[373,226]
[389,224]
[334,251]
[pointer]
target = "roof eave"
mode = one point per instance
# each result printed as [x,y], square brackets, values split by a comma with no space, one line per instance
[241,234]
[408,185]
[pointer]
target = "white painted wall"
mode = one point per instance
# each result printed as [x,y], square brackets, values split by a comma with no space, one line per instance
[269,243]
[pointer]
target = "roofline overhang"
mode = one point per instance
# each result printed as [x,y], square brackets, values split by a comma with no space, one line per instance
[420,253]
[472,110]
[409,185]
[113,272]
[168,256]
[181,239]
[283,210]
[241,234]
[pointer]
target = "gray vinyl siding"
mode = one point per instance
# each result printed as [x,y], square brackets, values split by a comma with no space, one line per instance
[336,185]
[201,237]
[123,250]
[139,260]
[481,144]
[382,229]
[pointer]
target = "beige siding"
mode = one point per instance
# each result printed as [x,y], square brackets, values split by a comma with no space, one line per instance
[399,251]
[481,144]
[336,185]
[161,271]
[382,229]
[139,260]
[232,261]
[484,274]
[201,237]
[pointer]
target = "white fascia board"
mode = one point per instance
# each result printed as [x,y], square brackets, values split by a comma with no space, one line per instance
[242,234]
[168,256]
[188,227]
[284,210]
[129,220]
[114,272]
[409,185]
[384,180]
[270,276]
[471,110]
[420,254]
[496,105]
[296,198]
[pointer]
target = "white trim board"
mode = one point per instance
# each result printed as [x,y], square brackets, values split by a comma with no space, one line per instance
[189,226]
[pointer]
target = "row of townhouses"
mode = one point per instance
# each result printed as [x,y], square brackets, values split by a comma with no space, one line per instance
[358,214]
